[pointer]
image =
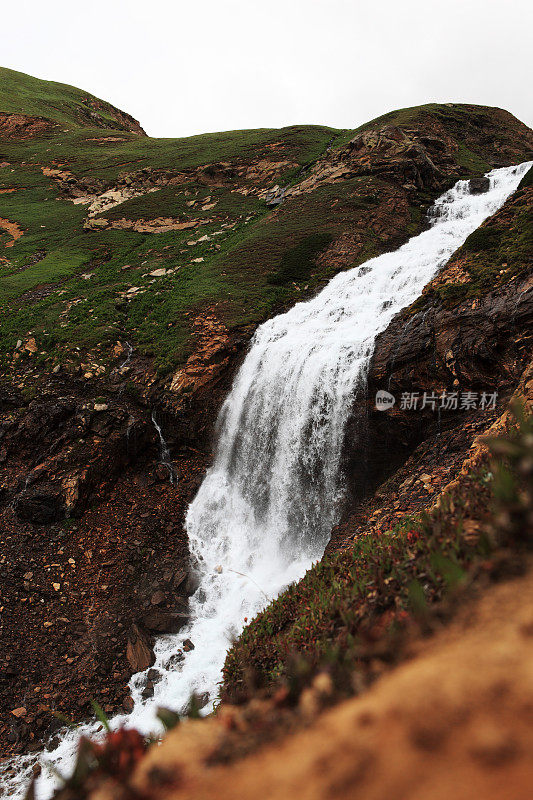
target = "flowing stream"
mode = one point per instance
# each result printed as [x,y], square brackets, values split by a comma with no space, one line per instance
[265,509]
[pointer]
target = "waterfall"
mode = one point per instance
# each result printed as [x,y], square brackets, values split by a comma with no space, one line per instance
[265,509]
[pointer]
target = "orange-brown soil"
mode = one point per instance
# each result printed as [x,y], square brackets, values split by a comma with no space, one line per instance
[13,229]
[22,126]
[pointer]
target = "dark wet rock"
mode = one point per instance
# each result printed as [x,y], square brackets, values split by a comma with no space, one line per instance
[191,583]
[164,621]
[202,699]
[39,507]
[470,346]
[175,660]
[148,691]
[188,645]
[153,675]
[479,185]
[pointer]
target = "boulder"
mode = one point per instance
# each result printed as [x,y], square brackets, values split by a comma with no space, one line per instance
[164,621]
[39,507]
[128,704]
[175,660]
[478,185]
[148,691]
[138,650]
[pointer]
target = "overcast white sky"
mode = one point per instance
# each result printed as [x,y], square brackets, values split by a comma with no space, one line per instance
[190,66]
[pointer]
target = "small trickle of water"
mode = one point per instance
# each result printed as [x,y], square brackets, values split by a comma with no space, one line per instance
[164,453]
[267,505]
[129,353]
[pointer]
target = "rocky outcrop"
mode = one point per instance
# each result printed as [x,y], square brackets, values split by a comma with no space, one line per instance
[96,113]
[22,126]
[422,153]
[158,225]
[214,348]
[79,443]
[411,159]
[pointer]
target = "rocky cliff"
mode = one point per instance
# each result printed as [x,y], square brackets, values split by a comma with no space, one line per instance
[133,272]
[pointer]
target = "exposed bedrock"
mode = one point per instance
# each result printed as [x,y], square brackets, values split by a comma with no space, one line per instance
[478,345]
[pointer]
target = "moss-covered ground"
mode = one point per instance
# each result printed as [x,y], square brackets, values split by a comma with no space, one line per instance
[41,274]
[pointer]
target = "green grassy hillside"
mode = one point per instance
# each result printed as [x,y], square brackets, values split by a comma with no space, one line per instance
[67,285]
[24,94]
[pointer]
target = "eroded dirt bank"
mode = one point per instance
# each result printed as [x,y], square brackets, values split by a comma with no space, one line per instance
[453,722]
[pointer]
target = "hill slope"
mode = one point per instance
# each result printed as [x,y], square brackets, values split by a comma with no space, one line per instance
[133,272]
[22,94]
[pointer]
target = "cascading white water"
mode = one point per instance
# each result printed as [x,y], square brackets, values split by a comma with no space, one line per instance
[267,505]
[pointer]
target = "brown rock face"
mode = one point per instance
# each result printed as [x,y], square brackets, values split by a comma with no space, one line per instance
[21,126]
[478,345]
[210,359]
[138,651]
[423,155]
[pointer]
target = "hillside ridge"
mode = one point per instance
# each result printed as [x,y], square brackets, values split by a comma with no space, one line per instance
[22,96]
